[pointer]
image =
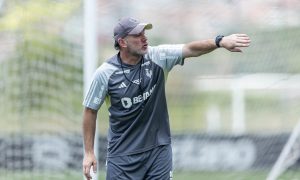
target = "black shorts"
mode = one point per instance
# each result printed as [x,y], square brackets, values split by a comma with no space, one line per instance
[155,164]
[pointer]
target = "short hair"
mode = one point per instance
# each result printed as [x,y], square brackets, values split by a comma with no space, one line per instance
[117,45]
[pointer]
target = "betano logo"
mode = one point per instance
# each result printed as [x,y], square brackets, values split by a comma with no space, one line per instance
[127,102]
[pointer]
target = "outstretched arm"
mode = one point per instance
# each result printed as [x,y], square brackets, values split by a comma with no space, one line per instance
[232,43]
[89,127]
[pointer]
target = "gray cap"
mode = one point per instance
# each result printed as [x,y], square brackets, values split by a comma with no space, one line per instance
[129,26]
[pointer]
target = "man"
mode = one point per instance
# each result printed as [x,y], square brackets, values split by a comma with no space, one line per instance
[133,84]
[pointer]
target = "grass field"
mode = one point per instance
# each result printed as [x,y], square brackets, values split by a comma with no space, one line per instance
[250,175]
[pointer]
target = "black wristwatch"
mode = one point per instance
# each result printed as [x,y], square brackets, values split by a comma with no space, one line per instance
[218,40]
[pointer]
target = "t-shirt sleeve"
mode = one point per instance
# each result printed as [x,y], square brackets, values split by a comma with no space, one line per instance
[98,87]
[166,56]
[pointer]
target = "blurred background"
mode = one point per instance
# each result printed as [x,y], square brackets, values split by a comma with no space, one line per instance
[233,115]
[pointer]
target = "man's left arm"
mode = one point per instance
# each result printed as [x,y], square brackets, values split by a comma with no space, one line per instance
[232,43]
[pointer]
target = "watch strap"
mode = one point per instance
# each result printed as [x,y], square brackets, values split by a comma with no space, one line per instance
[218,40]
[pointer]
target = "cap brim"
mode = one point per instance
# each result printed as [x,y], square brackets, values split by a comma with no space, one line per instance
[140,27]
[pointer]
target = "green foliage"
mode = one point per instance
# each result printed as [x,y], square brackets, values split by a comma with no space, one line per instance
[21,15]
[45,72]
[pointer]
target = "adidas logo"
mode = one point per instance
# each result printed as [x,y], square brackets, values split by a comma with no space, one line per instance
[122,85]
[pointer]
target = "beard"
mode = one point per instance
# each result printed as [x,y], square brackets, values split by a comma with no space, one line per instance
[137,51]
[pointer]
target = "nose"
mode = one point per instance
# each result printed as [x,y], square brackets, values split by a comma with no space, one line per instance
[144,38]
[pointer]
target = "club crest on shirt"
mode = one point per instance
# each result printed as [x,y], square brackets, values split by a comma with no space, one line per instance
[148,72]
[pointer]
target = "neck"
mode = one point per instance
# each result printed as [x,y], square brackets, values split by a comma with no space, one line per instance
[129,58]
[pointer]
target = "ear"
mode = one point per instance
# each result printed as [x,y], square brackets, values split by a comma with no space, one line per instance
[122,42]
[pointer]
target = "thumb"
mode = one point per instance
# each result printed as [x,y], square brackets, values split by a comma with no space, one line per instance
[235,50]
[95,167]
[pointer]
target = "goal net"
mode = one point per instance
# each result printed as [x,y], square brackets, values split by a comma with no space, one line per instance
[289,155]
[232,115]
[41,89]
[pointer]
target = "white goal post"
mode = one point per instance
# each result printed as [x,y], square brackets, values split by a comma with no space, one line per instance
[288,156]
[90,56]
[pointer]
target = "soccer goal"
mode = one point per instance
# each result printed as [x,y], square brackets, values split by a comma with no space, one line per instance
[289,155]
[233,115]
[41,85]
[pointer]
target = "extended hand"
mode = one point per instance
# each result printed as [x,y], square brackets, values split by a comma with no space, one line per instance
[89,160]
[234,42]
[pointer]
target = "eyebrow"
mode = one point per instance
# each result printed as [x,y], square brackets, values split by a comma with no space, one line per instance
[143,32]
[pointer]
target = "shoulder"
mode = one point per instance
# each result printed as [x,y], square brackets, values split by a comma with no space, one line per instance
[113,61]
[164,49]
[105,70]
[106,67]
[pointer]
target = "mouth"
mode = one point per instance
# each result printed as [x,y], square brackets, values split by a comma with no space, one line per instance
[145,46]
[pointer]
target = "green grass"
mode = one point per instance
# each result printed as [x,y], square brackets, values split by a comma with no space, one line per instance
[243,175]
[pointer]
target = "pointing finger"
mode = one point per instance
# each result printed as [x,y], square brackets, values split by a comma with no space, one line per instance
[241,35]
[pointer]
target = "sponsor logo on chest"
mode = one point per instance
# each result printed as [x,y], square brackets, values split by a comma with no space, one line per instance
[127,102]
